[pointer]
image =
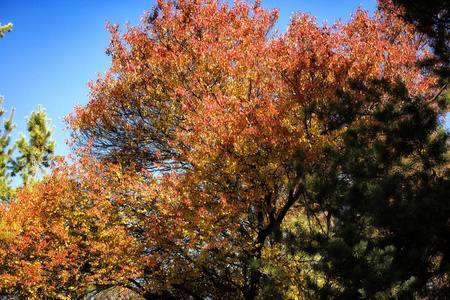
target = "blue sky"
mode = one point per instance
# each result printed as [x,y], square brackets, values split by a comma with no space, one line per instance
[57,46]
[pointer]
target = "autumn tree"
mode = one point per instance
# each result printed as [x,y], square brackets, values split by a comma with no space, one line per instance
[55,235]
[186,170]
[204,95]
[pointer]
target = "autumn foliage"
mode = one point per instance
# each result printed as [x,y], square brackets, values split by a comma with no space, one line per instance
[184,173]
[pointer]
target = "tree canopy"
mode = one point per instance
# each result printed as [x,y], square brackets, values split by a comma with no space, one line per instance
[217,159]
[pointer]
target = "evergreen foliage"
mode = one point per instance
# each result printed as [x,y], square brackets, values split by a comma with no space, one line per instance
[378,207]
[5,154]
[38,152]
[5,28]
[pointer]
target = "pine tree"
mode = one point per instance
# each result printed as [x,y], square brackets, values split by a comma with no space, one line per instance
[377,207]
[5,154]
[5,28]
[38,151]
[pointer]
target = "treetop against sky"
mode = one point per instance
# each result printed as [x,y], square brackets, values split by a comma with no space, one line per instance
[56,47]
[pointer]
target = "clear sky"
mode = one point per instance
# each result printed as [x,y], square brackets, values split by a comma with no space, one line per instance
[57,46]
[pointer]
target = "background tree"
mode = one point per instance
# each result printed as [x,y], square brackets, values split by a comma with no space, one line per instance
[5,28]
[5,154]
[37,153]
